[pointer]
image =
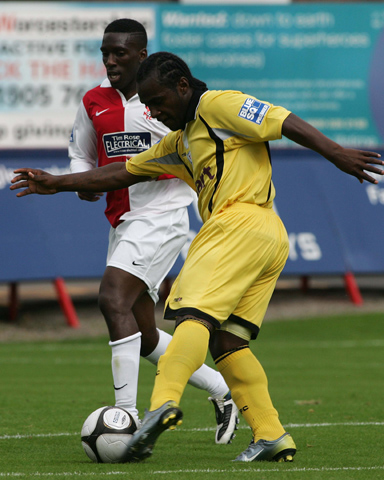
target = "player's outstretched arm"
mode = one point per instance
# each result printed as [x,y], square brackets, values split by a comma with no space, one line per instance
[349,160]
[104,179]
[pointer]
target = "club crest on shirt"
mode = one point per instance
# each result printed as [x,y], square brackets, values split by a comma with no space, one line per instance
[147,113]
[253,110]
[126,143]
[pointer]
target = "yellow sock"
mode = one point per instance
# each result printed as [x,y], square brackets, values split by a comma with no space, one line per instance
[249,388]
[185,354]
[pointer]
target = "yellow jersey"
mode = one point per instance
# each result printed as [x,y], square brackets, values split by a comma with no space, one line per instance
[223,151]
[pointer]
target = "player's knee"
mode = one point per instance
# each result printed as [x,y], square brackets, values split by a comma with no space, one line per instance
[105,302]
[113,306]
[222,342]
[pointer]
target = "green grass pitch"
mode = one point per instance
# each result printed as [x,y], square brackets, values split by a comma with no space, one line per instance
[326,380]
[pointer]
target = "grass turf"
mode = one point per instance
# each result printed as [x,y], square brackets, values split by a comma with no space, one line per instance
[326,380]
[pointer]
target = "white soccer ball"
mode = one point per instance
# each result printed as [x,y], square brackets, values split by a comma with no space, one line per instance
[106,433]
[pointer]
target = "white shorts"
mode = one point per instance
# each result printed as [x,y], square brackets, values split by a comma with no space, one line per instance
[147,247]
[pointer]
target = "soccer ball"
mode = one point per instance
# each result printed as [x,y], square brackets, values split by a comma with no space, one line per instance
[106,433]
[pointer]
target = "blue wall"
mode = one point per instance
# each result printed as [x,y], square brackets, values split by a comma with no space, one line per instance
[334,223]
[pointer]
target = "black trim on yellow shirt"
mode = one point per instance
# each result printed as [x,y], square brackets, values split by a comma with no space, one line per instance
[219,159]
[270,161]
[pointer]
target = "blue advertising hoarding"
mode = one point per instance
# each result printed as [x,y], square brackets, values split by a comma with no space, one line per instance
[45,237]
[332,220]
[334,224]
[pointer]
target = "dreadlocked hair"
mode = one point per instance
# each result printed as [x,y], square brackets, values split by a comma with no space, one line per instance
[127,25]
[169,68]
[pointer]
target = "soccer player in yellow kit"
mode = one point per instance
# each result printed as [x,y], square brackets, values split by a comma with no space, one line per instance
[219,146]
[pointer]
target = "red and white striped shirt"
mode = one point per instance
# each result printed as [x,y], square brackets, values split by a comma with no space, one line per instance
[107,129]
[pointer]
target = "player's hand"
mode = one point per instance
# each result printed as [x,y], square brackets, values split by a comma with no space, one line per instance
[33,181]
[358,163]
[89,196]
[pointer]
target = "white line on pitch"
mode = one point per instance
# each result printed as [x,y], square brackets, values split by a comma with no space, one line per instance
[194,471]
[207,429]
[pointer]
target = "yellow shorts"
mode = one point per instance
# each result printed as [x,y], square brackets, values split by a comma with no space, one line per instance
[231,268]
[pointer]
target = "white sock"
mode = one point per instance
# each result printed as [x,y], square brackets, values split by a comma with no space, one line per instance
[125,371]
[205,378]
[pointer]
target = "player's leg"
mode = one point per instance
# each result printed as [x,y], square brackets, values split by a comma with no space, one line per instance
[144,312]
[118,292]
[234,359]
[230,350]
[170,232]
[249,386]
[205,378]
[154,343]
[185,354]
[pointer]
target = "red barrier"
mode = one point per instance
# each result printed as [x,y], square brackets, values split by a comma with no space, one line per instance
[66,304]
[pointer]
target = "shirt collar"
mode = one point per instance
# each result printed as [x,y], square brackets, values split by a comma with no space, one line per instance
[193,104]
